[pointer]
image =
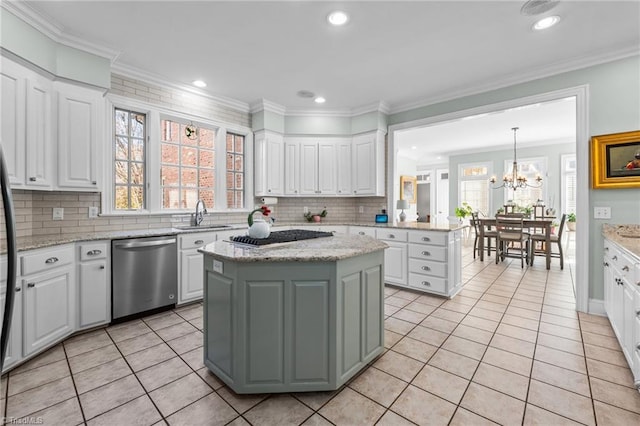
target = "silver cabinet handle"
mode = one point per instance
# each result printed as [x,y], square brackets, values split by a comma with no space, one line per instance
[426,283]
[426,253]
[625,268]
[295,192]
[391,236]
[32,179]
[31,285]
[606,264]
[355,192]
[101,266]
[426,268]
[606,249]
[426,239]
[18,289]
[94,252]
[615,258]
[339,191]
[51,260]
[638,313]
[268,190]
[198,242]
[94,182]
[360,233]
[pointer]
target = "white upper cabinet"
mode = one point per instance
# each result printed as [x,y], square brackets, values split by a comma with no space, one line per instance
[368,164]
[269,163]
[79,128]
[292,168]
[40,134]
[327,168]
[12,130]
[343,165]
[309,168]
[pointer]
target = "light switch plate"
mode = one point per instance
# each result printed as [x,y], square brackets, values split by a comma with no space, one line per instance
[93,212]
[602,212]
[58,213]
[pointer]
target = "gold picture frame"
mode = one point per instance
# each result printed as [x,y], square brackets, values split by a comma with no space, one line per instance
[408,188]
[615,160]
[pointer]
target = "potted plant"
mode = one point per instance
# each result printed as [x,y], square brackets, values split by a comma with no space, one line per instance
[463,211]
[315,217]
[526,211]
[571,221]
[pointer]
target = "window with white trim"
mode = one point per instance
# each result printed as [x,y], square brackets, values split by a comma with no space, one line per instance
[569,184]
[474,186]
[235,171]
[529,168]
[129,159]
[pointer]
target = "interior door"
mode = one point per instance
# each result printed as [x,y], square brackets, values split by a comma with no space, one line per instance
[442,195]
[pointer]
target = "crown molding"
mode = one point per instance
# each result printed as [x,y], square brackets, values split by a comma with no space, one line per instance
[148,77]
[265,105]
[55,32]
[601,57]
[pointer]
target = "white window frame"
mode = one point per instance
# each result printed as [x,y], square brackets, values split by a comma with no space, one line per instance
[564,173]
[153,190]
[461,178]
[544,173]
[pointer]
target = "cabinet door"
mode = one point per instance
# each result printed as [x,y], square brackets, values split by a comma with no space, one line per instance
[94,295]
[49,312]
[344,168]
[364,164]
[617,306]
[327,168]
[309,168]
[14,344]
[12,130]
[191,275]
[39,143]
[395,263]
[608,287]
[628,319]
[78,130]
[275,167]
[292,168]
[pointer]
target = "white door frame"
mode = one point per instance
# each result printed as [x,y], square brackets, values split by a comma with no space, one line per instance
[581,93]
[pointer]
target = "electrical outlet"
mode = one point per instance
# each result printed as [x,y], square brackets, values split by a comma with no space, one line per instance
[93,212]
[602,212]
[361,209]
[58,213]
[305,210]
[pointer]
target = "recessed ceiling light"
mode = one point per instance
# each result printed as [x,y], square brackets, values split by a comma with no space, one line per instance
[414,147]
[199,83]
[547,22]
[319,100]
[338,18]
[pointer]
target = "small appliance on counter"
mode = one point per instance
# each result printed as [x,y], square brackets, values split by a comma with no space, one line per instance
[382,217]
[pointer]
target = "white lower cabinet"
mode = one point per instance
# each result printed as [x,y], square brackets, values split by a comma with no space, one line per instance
[395,256]
[48,297]
[191,265]
[14,345]
[94,284]
[622,301]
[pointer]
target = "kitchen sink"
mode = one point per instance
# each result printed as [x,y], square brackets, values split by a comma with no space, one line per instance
[194,227]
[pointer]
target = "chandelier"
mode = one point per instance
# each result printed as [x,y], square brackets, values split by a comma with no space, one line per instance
[514,180]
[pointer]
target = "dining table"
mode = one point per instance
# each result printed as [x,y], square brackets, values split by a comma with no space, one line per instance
[540,223]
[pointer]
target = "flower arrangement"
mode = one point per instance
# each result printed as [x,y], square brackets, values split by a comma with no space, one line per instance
[310,216]
[263,209]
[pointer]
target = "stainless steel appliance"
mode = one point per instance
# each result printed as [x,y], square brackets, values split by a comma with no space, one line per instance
[144,275]
[10,224]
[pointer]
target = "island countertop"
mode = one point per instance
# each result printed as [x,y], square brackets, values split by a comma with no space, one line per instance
[326,249]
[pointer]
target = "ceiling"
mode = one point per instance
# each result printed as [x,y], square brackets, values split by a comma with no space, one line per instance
[398,53]
[394,54]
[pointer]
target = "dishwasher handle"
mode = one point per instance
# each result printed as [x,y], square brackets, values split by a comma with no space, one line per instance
[137,244]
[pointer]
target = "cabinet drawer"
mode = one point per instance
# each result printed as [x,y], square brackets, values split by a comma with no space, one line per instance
[93,251]
[391,235]
[427,267]
[624,264]
[432,238]
[45,260]
[190,241]
[360,230]
[425,282]
[428,252]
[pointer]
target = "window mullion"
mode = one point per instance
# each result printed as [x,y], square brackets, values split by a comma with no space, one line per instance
[220,187]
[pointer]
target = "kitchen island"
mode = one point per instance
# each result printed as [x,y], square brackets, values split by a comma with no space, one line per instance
[301,316]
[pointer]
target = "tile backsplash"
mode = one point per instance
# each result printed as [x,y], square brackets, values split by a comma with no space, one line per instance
[34,210]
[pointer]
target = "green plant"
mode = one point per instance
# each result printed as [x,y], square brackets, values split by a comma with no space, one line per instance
[526,210]
[571,217]
[309,216]
[464,211]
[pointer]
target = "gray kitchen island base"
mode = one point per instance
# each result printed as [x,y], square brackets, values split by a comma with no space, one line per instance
[292,326]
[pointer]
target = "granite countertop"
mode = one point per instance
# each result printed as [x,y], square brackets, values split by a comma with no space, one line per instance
[327,249]
[626,236]
[42,241]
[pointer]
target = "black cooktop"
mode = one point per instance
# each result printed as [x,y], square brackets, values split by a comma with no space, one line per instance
[281,237]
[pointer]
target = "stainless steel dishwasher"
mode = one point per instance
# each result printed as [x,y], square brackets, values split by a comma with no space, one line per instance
[144,275]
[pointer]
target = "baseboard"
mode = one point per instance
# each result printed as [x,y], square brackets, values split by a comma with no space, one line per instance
[596,307]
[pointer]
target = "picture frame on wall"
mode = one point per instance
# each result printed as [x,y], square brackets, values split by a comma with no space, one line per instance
[615,160]
[408,188]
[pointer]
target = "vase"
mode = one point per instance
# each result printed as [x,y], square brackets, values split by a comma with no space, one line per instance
[259,229]
[316,218]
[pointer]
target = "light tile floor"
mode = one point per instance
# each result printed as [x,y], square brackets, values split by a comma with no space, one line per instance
[509,349]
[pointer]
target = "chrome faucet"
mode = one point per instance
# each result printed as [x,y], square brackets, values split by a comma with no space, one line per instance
[196,218]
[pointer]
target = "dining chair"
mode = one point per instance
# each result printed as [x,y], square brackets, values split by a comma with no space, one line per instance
[489,235]
[511,238]
[555,239]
